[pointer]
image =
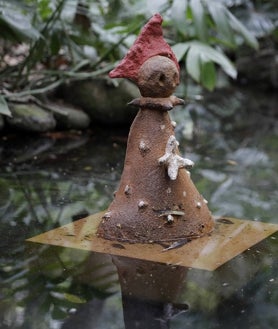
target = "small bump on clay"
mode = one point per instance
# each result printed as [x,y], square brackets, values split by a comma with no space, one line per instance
[198,205]
[127,190]
[142,204]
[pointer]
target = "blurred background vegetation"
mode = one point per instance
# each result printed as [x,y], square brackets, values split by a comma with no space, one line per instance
[48,43]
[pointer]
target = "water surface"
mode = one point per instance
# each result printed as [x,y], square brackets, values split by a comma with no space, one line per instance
[50,180]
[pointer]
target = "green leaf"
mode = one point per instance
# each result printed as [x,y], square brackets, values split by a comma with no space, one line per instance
[219,14]
[198,53]
[74,299]
[178,13]
[200,61]
[44,9]
[193,66]
[19,24]
[241,29]
[199,19]
[180,49]
[215,56]
[208,74]
[4,109]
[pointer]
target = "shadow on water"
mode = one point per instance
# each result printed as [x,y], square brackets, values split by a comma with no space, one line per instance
[50,180]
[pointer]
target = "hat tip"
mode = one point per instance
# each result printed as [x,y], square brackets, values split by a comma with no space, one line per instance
[149,43]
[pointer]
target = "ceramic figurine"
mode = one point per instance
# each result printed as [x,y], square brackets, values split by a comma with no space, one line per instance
[156,201]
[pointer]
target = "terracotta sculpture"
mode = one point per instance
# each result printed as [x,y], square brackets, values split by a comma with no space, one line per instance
[156,201]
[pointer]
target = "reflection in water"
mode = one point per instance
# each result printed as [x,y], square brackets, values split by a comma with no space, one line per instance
[142,314]
[86,317]
[151,289]
[150,292]
[154,295]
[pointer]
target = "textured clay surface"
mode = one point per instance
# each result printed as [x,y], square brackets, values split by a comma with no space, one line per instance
[158,77]
[149,43]
[147,196]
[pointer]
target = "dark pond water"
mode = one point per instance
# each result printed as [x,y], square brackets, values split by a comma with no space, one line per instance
[50,180]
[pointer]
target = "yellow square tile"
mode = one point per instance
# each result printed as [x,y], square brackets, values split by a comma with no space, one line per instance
[230,238]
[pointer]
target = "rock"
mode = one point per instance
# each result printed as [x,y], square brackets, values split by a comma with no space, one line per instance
[68,117]
[103,102]
[30,117]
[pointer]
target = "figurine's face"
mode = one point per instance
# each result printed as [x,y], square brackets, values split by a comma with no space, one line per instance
[158,77]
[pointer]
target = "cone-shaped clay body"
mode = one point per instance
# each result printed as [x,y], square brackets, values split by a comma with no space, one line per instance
[156,200]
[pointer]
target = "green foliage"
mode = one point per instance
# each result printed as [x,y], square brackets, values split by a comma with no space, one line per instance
[214,26]
[15,23]
[74,40]
[44,9]
[57,279]
[200,59]
[66,41]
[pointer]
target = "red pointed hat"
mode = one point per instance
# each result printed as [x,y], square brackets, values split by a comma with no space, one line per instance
[149,43]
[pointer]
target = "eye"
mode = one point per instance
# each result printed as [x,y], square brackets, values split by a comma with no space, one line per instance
[162,78]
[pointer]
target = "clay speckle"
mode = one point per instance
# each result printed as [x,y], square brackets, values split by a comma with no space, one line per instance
[174,124]
[170,219]
[198,205]
[142,204]
[127,190]
[143,147]
[107,215]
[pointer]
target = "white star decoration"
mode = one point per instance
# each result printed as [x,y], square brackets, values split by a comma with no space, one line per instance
[173,161]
